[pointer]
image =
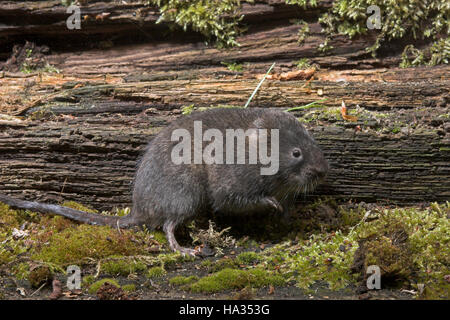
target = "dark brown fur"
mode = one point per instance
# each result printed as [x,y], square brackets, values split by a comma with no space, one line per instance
[166,195]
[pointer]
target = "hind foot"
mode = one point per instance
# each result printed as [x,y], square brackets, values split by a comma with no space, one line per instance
[186,251]
[169,229]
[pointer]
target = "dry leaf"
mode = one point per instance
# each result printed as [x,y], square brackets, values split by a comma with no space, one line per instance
[344,114]
[271,290]
[292,75]
[57,290]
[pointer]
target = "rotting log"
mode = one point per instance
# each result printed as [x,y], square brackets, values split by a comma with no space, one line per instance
[139,44]
[97,115]
[121,21]
[167,91]
[91,158]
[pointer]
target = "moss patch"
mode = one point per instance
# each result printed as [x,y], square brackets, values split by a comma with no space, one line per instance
[40,276]
[122,267]
[425,19]
[96,285]
[410,245]
[249,257]
[236,279]
[129,288]
[181,280]
[156,272]
[216,20]
[75,245]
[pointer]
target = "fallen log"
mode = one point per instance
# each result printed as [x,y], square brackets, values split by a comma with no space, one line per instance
[91,156]
[78,135]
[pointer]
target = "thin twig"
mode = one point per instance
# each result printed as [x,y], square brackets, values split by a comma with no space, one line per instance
[39,289]
[259,85]
[307,106]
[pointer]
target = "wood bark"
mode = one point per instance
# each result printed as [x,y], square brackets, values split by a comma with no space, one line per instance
[78,135]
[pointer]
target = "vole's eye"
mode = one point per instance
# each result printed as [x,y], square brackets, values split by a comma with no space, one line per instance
[297,153]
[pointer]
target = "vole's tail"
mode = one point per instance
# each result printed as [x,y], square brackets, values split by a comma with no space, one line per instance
[77,215]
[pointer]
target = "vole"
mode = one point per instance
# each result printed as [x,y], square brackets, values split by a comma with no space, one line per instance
[173,184]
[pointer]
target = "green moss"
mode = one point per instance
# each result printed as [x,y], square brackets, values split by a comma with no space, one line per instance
[247,243]
[233,66]
[10,219]
[156,272]
[303,3]
[303,63]
[319,258]
[236,279]
[182,281]
[393,259]
[129,288]
[248,258]
[78,206]
[170,259]
[217,20]
[223,263]
[410,245]
[303,33]
[206,263]
[159,236]
[77,244]
[122,267]
[186,110]
[21,271]
[96,285]
[424,19]
[39,276]
[87,281]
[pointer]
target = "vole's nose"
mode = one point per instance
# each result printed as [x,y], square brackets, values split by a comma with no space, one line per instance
[320,172]
[321,169]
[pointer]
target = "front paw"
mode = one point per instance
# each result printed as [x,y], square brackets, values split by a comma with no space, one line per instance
[273,203]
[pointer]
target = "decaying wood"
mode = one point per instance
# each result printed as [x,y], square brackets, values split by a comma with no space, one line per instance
[90,156]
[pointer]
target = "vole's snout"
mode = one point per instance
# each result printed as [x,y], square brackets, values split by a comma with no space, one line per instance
[321,166]
[322,169]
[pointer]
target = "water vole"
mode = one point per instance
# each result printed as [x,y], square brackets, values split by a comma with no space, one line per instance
[178,179]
